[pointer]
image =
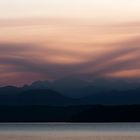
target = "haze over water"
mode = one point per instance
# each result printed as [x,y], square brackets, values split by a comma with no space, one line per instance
[64,131]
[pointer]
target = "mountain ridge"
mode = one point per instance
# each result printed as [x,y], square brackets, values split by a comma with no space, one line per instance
[104,92]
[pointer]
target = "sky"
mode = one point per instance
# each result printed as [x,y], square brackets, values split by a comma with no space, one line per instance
[52,39]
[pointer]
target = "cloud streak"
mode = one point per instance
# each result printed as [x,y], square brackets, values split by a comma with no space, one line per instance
[13,59]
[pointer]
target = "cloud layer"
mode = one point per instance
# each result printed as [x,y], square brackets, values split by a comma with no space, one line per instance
[34,49]
[23,63]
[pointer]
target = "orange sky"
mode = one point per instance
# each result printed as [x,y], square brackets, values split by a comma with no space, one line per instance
[49,39]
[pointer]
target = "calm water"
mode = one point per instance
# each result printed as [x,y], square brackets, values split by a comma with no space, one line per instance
[65,131]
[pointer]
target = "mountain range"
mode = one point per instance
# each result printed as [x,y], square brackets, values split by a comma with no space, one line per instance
[71,100]
[72,91]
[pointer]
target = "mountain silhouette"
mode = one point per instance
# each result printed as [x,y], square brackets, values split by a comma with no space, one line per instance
[72,91]
[28,96]
[71,100]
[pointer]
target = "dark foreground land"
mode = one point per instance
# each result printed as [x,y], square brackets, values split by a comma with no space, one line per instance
[94,113]
[98,103]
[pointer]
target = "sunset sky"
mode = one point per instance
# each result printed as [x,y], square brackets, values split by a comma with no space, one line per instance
[52,39]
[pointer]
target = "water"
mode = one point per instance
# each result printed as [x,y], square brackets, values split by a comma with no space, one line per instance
[69,131]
